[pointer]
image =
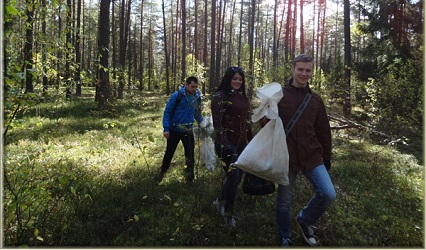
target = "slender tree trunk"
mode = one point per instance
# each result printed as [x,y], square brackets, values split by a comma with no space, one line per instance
[212,75]
[183,59]
[104,34]
[275,44]
[67,50]
[220,29]
[28,49]
[196,35]
[77,51]
[302,31]
[43,46]
[206,17]
[347,31]
[287,31]
[250,75]
[240,34]
[293,33]
[114,50]
[230,41]
[141,61]
[166,51]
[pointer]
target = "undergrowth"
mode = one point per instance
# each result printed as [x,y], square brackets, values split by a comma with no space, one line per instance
[75,178]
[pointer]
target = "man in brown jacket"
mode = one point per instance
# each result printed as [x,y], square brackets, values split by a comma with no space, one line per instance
[309,148]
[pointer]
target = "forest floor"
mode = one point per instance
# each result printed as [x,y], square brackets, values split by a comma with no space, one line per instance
[78,179]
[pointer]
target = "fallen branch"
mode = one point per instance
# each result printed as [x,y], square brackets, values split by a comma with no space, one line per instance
[345,123]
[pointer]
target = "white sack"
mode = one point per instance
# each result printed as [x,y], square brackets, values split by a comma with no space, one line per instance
[267,154]
[269,95]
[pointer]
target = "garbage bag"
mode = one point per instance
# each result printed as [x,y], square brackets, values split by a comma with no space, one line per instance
[266,155]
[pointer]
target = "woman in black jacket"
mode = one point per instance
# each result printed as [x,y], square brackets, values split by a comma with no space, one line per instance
[230,111]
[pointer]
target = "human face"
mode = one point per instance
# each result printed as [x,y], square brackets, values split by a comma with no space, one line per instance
[302,72]
[191,88]
[236,81]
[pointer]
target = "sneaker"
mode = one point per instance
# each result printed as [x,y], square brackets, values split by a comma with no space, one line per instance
[286,242]
[220,207]
[233,221]
[307,232]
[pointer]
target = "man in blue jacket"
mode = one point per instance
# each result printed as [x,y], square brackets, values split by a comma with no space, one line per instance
[183,106]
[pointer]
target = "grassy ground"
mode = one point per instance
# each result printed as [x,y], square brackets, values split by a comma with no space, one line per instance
[75,178]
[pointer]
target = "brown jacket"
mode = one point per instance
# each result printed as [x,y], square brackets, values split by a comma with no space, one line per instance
[231,119]
[309,143]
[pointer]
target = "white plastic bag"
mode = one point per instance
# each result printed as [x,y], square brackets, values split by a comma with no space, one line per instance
[207,153]
[203,133]
[267,154]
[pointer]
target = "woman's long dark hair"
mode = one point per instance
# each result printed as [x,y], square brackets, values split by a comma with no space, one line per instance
[225,85]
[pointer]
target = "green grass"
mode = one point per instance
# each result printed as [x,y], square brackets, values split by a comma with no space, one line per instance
[76,178]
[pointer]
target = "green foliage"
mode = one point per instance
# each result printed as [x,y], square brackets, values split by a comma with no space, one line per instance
[75,178]
[396,99]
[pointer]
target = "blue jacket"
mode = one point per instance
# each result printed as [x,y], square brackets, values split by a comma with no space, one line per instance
[182,119]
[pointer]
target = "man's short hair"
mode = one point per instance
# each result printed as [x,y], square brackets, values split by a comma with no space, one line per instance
[191,79]
[302,58]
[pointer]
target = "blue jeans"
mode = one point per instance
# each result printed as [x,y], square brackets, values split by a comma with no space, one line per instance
[324,196]
[233,175]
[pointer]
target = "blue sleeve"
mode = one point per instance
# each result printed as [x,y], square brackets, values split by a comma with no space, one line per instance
[167,116]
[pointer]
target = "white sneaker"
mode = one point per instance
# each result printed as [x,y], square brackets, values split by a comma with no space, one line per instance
[220,207]
[233,221]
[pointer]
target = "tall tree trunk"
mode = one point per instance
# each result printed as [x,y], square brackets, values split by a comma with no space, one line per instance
[212,75]
[347,87]
[175,46]
[275,44]
[240,34]
[230,41]
[45,81]
[141,61]
[302,31]
[220,29]
[250,75]
[288,30]
[77,51]
[124,34]
[293,33]
[114,50]
[166,51]
[28,49]
[183,59]
[196,35]
[68,32]
[104,34]
[206,18]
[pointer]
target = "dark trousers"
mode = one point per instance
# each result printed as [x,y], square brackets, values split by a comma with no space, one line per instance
[188,142]
[233,175]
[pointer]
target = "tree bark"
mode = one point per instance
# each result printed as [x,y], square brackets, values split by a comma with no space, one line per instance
[28,49]
[77,51]
[166,51]
[104,34]
[347,81]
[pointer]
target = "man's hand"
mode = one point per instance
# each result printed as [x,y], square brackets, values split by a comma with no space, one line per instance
[166,134]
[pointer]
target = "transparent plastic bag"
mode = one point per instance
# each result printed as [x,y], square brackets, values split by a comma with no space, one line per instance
[203,133]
